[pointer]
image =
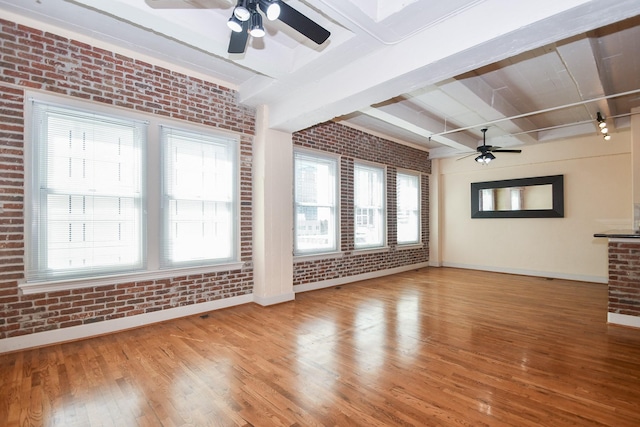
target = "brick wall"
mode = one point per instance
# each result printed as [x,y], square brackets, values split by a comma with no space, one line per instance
[353,145]
[624,278]
[36,60]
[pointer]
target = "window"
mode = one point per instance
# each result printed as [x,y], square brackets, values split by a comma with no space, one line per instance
[88,194]
[408,208]
[199,198]
[369,206]
[122,196]
[315,200]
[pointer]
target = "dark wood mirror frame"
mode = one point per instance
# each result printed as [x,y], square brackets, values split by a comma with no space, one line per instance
[557,190]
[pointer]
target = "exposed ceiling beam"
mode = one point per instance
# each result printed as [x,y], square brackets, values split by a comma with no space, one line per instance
[580,60]
[489,105]
[404,124]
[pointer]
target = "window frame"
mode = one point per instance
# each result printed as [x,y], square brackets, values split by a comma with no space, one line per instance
[358,164]
[418,177]
[152,182]
[335,160]
[230,145]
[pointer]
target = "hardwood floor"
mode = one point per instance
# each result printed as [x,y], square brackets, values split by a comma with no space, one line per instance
[431,347]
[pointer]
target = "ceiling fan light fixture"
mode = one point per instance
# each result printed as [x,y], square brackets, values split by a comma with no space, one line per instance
[235,24]
[241,11]
[604,129]
[602,125]
[271,8]
[256,29]
[607,137]
[485,158]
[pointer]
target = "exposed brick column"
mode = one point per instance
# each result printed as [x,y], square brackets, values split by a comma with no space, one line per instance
[624,277]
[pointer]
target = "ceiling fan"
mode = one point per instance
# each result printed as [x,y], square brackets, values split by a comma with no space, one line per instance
[486,151]
[246,20]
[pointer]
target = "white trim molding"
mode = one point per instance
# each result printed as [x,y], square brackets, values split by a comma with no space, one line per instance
[349,279]
[623,320]
[276,299]
[534,273]
[74,333]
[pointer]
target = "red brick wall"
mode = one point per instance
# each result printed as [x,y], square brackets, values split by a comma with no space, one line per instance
[353,145]
[624,278]
[32,59]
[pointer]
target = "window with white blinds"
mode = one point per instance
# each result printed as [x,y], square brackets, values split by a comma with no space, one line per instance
[369,206]
[408,208]
[116,195]
[88,194]
[315,203]
[199,192]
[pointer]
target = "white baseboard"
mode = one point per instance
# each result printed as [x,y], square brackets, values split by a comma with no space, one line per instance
[109,326]
[277,299]
[349,279]
[623,319]
[534,273]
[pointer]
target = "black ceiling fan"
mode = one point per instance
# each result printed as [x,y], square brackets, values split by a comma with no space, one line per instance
[486,151]
[246,20]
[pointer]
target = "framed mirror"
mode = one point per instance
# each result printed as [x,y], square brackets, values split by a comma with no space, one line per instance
[537,197]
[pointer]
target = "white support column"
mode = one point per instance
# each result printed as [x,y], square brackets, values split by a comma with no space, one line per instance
[435,227]
[272,213]
[635,165]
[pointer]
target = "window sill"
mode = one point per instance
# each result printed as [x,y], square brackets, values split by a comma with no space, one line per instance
[408,246]
[379,249]
[28,288]
[317,257]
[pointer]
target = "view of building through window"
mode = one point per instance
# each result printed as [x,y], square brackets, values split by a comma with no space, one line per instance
[315,202]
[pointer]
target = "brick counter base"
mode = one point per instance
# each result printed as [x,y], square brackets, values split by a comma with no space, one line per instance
[624,277]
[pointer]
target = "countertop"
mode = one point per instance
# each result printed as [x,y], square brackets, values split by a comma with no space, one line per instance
[619,234]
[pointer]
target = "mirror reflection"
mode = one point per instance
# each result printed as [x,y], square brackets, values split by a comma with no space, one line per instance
[516,198]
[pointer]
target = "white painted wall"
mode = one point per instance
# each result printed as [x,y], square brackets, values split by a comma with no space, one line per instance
[598,197]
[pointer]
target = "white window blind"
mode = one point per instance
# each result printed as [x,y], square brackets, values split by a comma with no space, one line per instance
[199,191]
[87,195]
[315,202]
[369,201]
[408,208]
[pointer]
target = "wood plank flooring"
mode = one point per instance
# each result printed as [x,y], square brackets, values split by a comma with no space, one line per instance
[432,347]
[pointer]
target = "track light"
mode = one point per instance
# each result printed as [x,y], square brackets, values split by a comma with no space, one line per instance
[485,158]
[241,11]
[271,8]
[602,124]
[256,29]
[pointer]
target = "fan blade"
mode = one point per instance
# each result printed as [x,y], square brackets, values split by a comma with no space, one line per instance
[468,155]
[302,24]
[506,151]
[238,41]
